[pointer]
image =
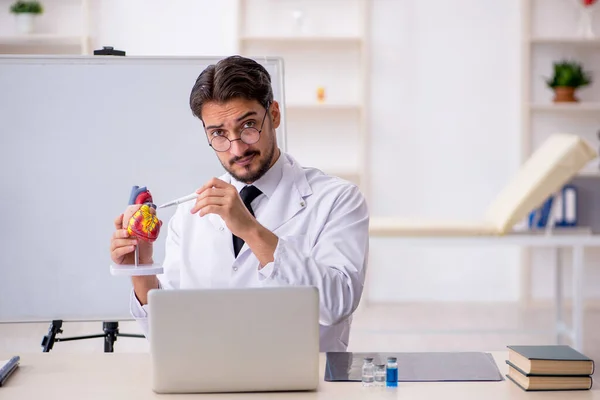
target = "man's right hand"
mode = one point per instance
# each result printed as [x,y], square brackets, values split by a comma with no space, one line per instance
[122,245]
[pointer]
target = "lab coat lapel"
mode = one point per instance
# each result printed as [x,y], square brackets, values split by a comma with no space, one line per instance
[287,201]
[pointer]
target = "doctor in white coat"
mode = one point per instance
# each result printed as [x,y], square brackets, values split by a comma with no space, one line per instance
[268,221]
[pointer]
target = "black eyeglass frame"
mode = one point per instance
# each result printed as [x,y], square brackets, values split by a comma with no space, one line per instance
[241,133]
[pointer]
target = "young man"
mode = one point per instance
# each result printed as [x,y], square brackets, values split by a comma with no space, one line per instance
[268,221]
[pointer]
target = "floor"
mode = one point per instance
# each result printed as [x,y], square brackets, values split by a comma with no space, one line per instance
[394,327]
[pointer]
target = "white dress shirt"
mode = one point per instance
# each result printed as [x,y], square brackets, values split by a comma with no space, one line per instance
[322,227]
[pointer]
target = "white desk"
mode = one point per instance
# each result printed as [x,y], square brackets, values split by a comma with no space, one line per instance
[558,240]
[126,376]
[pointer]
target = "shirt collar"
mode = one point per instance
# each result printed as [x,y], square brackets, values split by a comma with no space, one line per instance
[269,181]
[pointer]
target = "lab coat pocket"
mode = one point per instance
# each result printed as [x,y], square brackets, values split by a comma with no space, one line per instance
[299,245]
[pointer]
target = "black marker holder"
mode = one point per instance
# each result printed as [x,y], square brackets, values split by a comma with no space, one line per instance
[109,51]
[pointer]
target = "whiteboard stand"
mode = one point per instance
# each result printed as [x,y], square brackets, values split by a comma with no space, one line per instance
[136,269]
[110,335]
[110,328]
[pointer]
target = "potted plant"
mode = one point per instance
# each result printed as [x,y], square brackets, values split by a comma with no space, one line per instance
[568,77]
[25,11]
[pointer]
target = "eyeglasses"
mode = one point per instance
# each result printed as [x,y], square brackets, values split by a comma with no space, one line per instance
[248,135]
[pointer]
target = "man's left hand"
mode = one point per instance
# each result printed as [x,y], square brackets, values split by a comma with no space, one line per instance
[221,198]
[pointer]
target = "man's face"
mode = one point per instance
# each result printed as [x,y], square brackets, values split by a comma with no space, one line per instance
[245,162]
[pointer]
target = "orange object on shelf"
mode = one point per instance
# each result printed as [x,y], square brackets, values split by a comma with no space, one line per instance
[321,94]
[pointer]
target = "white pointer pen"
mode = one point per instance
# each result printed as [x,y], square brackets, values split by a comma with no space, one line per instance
[180,200]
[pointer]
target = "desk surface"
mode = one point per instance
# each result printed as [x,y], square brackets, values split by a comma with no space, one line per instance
[126,376]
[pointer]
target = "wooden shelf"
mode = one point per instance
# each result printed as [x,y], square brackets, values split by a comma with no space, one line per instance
[324,106]
[566,41]
[312,40]
[589,174]
[41,40]
[567,107]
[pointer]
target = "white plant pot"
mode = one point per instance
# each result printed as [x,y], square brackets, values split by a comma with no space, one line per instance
[25,23]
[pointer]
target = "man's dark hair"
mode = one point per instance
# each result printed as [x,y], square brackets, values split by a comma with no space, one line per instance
[230,78]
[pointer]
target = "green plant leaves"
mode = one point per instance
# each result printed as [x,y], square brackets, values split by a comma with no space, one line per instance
[569,74]
[32,7]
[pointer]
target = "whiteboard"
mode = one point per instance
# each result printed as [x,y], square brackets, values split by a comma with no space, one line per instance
[68,129]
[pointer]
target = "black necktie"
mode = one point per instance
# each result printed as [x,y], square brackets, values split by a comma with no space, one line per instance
[248,194]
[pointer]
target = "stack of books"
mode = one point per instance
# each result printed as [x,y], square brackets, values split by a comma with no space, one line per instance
[553,367]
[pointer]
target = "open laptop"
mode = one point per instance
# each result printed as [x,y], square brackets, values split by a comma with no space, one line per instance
[234,340]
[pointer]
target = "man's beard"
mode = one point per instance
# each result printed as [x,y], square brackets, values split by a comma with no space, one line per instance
[262,169]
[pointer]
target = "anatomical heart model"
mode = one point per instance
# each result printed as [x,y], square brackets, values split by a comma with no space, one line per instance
[143,224]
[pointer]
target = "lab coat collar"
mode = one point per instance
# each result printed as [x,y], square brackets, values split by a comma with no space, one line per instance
[268,182]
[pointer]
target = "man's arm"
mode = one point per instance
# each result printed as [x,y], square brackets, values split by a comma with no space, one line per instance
[263,244]
[142,285]
[336,263]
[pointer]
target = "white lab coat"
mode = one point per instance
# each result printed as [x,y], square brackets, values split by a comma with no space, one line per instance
[322,225]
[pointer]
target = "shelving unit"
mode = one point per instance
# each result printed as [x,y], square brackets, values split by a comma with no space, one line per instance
[549,32]
[570,41]
[545,40]
[329,135]
[589,174]
[40,39]
[324,107]
[54,36]
[295,40]
[567,107]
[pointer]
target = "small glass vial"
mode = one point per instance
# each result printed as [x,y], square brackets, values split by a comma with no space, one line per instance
[368,372]
[391,379]
[380,376]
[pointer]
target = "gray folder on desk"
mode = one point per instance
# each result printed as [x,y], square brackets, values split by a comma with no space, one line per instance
[417,367]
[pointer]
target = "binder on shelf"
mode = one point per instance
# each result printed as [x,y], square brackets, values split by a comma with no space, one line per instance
[561,206]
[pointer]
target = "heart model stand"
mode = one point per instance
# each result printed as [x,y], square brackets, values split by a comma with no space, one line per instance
[143,227]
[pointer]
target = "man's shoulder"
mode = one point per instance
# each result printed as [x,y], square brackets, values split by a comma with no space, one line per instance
[320,179]
[322,183]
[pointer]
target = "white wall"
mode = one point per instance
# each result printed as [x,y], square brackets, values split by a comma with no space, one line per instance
[151,27]
[173,28]
[444,120]
[445,140]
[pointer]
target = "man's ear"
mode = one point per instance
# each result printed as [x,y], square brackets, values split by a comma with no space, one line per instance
[275,114]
